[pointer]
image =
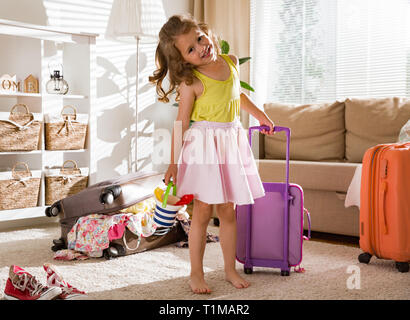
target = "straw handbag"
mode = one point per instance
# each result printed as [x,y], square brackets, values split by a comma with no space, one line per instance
[66,131]
[64,182]
[19,189]
[20,131]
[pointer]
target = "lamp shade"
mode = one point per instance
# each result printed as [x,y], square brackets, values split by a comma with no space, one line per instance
[135,18]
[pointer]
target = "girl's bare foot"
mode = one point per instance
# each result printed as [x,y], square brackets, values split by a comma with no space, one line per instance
[236,280]
[198,284]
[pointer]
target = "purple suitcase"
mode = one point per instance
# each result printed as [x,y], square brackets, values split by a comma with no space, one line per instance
[270,231]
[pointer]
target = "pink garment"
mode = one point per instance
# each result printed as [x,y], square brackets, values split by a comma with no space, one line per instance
[216,164]
[90,233]
[116,231]
[68,254]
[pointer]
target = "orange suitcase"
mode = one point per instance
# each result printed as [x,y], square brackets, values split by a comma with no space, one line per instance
[385,204]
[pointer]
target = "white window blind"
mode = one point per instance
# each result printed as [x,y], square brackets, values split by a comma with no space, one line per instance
[321,50]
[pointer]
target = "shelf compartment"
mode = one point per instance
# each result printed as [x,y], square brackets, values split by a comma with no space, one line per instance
[28,49]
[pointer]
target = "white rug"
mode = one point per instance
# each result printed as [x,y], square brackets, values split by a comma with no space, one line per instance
[332,272]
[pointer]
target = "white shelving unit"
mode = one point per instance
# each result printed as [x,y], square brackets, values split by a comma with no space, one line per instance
[28,49]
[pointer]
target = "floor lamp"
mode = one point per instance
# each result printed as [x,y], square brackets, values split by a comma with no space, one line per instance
[135,20]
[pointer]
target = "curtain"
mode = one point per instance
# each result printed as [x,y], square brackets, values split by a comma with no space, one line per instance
[230,20]
[319,50]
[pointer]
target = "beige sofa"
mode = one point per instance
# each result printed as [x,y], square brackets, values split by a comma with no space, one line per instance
[328,141]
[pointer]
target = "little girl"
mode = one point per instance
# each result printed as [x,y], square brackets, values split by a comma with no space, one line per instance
[215,163]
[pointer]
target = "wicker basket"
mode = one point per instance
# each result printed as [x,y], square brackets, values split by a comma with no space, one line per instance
[20,132]
[67,133]
[65,182]
[20,190]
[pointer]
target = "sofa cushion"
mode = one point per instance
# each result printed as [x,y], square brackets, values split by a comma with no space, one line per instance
[373,121]
[317,131]
[329,176]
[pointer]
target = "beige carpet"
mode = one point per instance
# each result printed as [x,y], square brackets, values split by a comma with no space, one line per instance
[163,273]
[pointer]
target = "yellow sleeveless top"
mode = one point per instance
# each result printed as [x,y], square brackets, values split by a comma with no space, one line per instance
[220,100]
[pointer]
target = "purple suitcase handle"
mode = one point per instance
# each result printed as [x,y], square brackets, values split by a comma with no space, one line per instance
[276,129]
[286,199]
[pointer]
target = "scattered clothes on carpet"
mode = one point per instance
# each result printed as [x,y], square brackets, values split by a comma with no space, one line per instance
[92,234]
[186,225]
[68,254]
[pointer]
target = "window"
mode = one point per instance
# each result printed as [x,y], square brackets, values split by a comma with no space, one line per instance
[322,50]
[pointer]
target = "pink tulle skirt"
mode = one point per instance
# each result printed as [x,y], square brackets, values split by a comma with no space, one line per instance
[216,164]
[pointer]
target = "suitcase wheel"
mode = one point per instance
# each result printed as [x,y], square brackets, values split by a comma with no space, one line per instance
[113,251]
[58,246]
[402,266]
[107,198]
[109,194]
[59,242]
[48,212]
[365,257]
[106,254]
[284,273]
[54,210]
[248,270]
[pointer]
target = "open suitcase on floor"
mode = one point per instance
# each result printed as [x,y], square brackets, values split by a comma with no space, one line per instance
[270,231]
[108,197]
[385,204]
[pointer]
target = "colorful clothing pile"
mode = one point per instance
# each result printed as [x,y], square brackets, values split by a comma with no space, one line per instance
[93,233]
[186,225]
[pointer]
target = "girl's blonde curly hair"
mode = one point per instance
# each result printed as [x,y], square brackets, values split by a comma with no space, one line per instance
[169,60]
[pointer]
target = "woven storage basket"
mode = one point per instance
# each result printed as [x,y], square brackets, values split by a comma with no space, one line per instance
[67,131]
[64,182]
[20,132]
[19,189]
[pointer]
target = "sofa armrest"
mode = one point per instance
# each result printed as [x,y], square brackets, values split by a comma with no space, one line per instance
[261,154]
[258,145]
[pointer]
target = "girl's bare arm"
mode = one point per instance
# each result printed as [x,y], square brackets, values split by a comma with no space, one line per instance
[248,105]
[181,124]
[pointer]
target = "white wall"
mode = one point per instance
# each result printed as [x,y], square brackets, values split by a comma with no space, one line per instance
[116,76]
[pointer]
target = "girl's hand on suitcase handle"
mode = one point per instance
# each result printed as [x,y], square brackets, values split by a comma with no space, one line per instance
[266,129]
[267,126]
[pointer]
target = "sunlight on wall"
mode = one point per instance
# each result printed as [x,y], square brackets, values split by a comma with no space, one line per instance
[79,15]
[146,98]
[114,110]
[115,149]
